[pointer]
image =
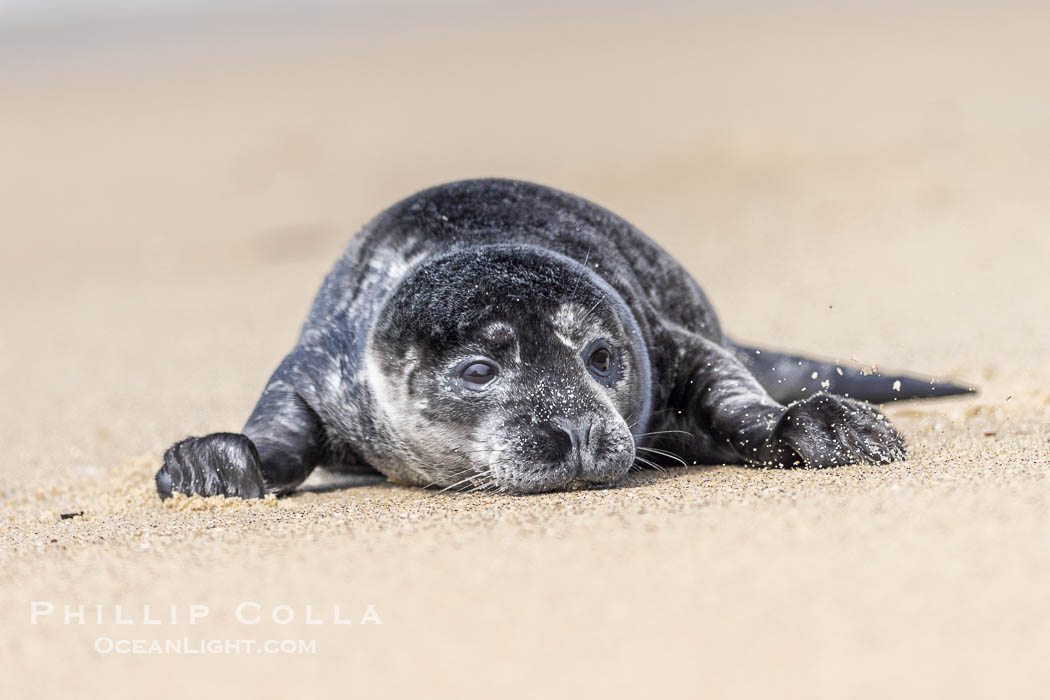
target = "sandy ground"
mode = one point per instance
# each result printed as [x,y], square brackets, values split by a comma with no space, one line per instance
[871,186]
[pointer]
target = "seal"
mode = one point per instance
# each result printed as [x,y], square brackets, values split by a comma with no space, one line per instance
[500,335]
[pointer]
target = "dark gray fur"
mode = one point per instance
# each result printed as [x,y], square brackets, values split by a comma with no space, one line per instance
[532,279]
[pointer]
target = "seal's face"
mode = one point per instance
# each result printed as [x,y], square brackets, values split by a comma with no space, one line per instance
[525,374]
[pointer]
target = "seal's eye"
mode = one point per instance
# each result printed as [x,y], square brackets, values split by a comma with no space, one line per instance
[477,375]
[600,361]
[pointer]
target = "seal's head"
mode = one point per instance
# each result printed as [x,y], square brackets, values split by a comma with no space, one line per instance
[510,368]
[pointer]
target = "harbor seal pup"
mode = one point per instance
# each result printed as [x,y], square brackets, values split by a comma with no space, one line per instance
[496,334]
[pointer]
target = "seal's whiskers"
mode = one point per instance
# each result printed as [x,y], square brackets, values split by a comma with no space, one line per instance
[646,462]
[663,453]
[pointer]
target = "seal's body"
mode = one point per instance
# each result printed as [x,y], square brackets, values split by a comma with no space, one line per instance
[499,334]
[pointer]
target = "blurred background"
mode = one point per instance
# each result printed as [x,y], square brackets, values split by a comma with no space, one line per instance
[863,180]
[866,181]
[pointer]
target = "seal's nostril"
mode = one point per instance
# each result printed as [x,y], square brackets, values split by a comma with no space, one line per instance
[578,430]
[562,443]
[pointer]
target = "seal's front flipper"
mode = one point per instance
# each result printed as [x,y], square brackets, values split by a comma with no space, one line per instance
[791,377]
[731,408]
[282,443]
[221,464]
[830,431]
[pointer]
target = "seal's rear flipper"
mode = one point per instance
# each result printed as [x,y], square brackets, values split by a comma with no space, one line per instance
[788,378]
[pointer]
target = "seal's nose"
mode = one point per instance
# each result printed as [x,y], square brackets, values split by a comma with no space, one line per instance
[578,431]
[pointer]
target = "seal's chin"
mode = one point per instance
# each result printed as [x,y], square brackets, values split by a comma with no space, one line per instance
[527,477]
